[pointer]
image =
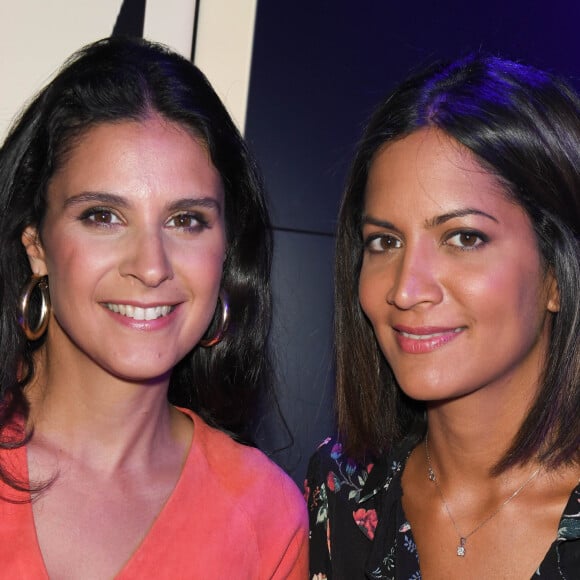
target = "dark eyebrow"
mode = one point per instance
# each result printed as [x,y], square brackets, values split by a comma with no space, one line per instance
[119,201]
[188,203]
[441,219]
[431,223]
[367,219]
[96,197]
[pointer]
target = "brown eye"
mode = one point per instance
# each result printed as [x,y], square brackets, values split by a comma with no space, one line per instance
[382,243]
[467,240]
[184,221]
[187,221]
[388,243]
[101,217]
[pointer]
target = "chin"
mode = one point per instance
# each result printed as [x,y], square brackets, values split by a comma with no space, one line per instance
[140,373]
[439,389]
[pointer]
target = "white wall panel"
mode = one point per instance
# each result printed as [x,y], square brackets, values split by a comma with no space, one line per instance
[37,35]
[223,50]
[171,22]
[35,38]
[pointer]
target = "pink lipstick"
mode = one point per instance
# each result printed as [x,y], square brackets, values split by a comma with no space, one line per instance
[425,339]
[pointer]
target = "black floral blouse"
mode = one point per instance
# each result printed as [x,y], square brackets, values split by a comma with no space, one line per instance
[358,528]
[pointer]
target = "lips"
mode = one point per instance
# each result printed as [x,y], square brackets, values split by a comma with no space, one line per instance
[421,340]
[139,312]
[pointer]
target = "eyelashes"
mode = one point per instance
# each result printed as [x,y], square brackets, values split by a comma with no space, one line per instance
[464,240]
[100,216]
[379,243]
[189,221]
[103,217]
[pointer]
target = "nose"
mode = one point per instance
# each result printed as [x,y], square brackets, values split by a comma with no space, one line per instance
[146,258]
[417,278]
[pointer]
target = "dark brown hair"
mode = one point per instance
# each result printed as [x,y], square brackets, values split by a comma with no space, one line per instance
[120,79]
[523,125]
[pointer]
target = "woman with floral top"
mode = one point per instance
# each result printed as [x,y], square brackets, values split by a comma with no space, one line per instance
[457,328]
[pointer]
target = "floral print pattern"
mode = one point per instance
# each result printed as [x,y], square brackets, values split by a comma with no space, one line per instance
[570,525]
[359,529]
[366,520]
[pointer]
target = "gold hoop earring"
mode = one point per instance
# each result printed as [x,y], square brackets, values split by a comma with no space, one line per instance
[223,323]
[40,328]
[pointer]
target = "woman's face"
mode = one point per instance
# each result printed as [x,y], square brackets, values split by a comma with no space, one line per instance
[452,279]
[133,243]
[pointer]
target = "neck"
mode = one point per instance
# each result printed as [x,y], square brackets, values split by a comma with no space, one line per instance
[98,416]
[470,435]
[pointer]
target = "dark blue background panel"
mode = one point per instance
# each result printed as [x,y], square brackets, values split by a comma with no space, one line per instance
[302,350]
[320,66]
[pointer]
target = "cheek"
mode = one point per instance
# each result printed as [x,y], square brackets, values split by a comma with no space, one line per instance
[510,296]
[209,251]
[201,272]
[515,282]
[69,254]
[370,293]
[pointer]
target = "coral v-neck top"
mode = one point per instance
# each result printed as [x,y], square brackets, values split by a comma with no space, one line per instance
[233,514]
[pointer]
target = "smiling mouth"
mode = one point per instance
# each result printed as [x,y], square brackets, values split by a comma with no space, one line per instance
[425,340]
[429,336]
[139,313]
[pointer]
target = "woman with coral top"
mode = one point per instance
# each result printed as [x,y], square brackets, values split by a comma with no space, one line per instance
[458,336]
[134,309]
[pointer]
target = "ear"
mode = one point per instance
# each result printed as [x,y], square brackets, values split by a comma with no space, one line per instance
[553,302]
[34,250]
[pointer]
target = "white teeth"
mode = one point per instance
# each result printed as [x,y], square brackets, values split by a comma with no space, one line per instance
[138,313]
[418,336]
[428,336]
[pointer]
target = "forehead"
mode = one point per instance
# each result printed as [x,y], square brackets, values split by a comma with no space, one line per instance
[152,155]
[429,168]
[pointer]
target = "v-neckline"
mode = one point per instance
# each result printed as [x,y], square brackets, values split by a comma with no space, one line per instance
[145,540]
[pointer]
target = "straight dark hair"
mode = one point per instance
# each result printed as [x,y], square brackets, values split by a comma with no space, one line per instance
[523,126]
[115,80]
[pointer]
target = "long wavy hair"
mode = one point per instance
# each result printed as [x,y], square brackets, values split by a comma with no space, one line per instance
[522,125]
[115,80]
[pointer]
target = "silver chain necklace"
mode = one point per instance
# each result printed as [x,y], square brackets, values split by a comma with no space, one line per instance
[463,537]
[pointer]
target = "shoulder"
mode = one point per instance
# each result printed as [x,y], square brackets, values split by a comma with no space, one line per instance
[569,528]
[563,557]
[342,522]
[345,505]
[340,485]
[336,485]
[330,468]
[245,475]
[263,507]
[238,465]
